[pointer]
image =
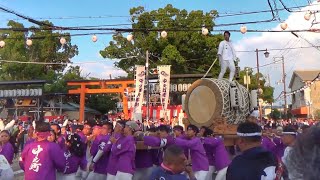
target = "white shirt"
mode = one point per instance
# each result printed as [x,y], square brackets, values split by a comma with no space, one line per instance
[227,51]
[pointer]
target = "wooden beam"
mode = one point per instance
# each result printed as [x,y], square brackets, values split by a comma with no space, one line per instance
[96,91]
[98,83]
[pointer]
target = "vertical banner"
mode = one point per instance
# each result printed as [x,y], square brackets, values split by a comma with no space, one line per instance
[139,88]
[164,83]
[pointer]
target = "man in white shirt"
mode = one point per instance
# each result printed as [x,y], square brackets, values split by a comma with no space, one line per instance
[227,55]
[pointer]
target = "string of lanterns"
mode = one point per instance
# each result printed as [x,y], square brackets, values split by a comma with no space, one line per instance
[62,40]
[164,34]
[94,38]
[284,25]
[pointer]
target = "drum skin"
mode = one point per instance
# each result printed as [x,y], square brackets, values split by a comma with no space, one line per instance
[208,100]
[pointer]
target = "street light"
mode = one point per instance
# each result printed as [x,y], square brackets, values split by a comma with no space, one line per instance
[266,55]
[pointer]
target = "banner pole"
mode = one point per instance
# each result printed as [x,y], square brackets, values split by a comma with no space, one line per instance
[147,83]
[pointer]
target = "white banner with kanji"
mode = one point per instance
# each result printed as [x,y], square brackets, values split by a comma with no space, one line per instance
[139,88]
[164,83]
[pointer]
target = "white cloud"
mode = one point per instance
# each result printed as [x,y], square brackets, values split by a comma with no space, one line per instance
[101,70]
[302,59]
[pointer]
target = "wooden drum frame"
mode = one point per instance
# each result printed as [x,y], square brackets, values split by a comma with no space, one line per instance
[208,103]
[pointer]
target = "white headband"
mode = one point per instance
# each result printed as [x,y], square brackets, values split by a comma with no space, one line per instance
[120,124]
[249,134]
[292,133]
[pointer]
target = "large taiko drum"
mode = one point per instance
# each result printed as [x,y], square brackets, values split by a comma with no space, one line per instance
[209,99]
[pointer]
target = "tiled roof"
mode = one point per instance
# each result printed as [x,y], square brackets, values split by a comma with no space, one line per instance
[304,75]
[307,75]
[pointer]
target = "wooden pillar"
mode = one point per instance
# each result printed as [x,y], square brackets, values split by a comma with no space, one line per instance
[124,101]
[102,84]
[82,102]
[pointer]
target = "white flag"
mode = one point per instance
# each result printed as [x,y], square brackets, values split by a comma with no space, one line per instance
[139,89]
[164,83]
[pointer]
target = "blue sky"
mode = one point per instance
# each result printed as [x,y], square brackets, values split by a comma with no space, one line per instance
[89,51]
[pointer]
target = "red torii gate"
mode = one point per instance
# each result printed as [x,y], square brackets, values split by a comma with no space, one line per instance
[119,86]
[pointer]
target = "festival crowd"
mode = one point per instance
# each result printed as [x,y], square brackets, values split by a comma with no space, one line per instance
[126,149]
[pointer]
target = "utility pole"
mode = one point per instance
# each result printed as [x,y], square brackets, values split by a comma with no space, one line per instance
[266,54]
[284,88]
[147,83]
[258,83]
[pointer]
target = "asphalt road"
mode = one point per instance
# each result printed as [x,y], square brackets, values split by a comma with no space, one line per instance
[18,173]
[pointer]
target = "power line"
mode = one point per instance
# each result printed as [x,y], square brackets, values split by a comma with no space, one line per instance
[27,18]
[280,49]
[195,29]
[32,20]
[219,15]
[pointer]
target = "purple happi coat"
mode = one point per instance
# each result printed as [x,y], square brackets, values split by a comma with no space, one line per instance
[113,159]
[221,156]
[280,147]
[124,150]
[105,145]
[95,145]
[267,143]
[41,159]
[83,137]
[210,154]
[197,153]
[61,141]
[72,163]
[186,150]
[155,141]
[7,151]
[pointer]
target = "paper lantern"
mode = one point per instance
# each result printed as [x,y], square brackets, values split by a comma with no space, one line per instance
[243,29]
[205,31]
[307,16]
[130,37]
[164,34]
[2,44]
[283,26]
[29,42]
[63,41]
[94,38]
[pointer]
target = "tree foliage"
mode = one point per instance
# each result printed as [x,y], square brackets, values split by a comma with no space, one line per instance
[275,114]
[103,103]
[267,94]
[184,48]
[59,84]
[45,48]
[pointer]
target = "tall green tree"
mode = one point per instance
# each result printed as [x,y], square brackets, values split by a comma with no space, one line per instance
[275,114]
[102,103]
[45,47]
[59,84]
[185,48]
[267,94]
